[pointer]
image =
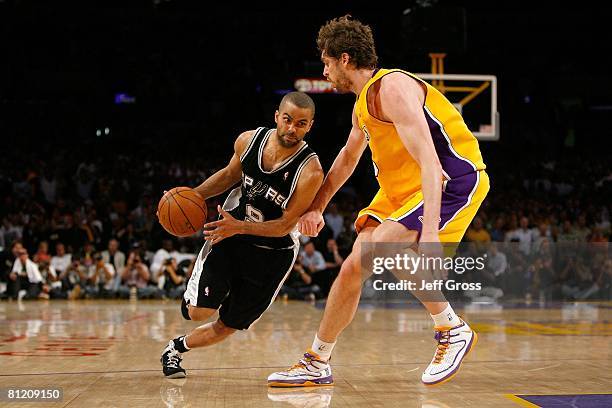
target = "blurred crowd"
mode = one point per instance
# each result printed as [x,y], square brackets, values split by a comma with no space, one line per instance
[87,229]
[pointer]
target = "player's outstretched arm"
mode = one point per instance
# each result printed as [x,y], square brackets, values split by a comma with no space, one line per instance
[228,176]
[342,168]
[308,184]
[402,100]
[344,165]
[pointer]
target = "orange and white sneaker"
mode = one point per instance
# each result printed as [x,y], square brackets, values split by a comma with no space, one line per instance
[310,371]
[454,343]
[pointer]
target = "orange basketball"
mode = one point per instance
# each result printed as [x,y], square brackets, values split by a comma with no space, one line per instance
[182,211]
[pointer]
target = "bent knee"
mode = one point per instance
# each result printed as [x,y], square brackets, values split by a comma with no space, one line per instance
[198,313]
[221,329]
[350,269]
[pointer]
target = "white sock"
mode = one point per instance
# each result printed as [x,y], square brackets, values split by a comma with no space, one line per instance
[322,348]
[446,318]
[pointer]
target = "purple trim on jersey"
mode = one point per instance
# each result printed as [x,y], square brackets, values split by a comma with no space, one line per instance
[451,164]
[455,196]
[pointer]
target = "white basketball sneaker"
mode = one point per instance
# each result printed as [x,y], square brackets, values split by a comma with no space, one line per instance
[454,343]
[310,371]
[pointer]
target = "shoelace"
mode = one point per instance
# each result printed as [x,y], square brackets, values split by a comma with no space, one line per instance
[173,360]
[308,358]
[443,337]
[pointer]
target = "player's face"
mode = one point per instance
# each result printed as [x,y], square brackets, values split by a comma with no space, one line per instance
[335,72]
[292,124]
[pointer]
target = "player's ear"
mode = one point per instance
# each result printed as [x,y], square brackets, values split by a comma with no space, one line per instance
[310,125]
[345,59]
[276,113]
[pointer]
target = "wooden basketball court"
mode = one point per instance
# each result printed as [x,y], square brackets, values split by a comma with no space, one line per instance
[106,354]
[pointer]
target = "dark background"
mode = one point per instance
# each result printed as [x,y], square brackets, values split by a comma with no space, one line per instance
[203,73]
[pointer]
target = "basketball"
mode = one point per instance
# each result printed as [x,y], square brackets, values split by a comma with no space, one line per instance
[182,211]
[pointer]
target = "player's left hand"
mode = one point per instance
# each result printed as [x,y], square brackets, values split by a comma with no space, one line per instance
[224,228]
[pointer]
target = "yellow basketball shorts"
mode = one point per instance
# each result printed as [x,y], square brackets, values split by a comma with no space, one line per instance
[461,198]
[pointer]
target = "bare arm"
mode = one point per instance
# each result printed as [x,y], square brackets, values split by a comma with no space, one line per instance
[344,165]
[342,168]
[402,99]
[225,178]
[307,186]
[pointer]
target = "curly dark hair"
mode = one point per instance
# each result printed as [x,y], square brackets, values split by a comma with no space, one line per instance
[343,34]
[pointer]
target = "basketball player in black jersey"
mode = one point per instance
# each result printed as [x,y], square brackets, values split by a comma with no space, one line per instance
[252,247]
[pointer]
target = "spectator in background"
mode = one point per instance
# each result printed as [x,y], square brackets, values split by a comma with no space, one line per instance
[582,231]
[597,236]
[147,255]
[497,263]
[167,251]
[74,279]
[51,284]
[9,231]
[7,260]
[477,233]
[567,233]
[334,219]
[42,255]
[100,278]
[540,276]
[171,279]
[116,258]
[25,280]
[48,186]
[312,259]
[333,261]
[523,235]
[541,234]
[73,236]
[61,260]
[136,275]
[86,254]
[299,284]
[84,183]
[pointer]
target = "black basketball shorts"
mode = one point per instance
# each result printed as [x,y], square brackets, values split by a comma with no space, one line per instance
[238,278]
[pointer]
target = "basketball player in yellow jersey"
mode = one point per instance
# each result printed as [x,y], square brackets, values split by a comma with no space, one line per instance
[432,182]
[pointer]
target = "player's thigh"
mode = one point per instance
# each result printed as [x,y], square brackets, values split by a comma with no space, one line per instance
[456,222]
[255,285]
[391,231]
[210,280]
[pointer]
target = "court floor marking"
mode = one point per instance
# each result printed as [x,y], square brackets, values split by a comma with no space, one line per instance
[521,401]
[544,368]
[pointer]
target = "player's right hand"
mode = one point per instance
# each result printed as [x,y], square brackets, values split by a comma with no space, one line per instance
[311,223]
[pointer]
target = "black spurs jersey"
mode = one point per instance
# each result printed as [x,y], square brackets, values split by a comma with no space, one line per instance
[263,195]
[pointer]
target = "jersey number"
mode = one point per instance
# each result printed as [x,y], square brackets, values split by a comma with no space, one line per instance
[253,214]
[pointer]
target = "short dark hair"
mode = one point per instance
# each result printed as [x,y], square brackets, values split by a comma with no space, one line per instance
[299,99]
[343,34]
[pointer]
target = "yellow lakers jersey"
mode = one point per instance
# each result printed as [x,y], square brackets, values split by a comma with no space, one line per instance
[397,172]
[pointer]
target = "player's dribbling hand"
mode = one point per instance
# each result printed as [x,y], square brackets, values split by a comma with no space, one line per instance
[226,227]
[311,223]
